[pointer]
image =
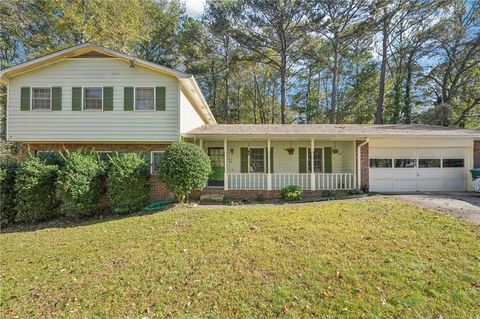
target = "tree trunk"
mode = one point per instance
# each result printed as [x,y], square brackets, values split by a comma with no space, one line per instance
[307,98]
[255,97]
[383,70]
[407,108]
[333,102]
[283,88]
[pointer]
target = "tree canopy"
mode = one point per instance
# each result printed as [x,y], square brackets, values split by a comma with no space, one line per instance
[282,61]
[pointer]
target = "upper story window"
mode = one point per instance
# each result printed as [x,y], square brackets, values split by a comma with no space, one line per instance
[41,98]
[144,98]
[93,98]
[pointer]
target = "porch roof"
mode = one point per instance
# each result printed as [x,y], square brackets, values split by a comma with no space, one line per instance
[330,130]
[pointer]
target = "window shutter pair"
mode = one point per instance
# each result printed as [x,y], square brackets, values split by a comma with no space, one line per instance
[56,98]
[107,98]
[302,159]
[128,99]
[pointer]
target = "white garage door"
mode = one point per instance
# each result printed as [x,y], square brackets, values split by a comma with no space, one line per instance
[415,169]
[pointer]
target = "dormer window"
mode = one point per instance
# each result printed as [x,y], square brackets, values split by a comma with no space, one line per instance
[144,99]
[93,98]
[41,98]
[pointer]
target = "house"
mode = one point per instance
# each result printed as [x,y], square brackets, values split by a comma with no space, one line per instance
[91,97]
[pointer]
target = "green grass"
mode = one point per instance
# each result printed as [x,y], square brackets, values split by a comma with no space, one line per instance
[375,258]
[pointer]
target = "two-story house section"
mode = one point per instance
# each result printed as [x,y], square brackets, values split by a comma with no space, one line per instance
[88,96]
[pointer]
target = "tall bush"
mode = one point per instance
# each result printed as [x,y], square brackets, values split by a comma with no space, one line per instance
[184,167]
[79,184]
[35,190]
[8,172]
[128,184]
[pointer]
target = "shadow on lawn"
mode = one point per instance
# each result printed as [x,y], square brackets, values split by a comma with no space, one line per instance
[63,222]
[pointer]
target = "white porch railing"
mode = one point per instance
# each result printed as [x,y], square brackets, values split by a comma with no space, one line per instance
[280,180]
[323,181]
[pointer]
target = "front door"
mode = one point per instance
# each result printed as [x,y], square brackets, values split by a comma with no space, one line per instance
[216,155]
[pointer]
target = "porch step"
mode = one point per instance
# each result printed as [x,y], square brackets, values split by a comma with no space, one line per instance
[212,198]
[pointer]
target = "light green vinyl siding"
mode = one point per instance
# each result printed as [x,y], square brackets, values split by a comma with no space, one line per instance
[115,126]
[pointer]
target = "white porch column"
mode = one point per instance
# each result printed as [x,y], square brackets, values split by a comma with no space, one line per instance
[225,174]
[269,169]
[312,159]
[201,144]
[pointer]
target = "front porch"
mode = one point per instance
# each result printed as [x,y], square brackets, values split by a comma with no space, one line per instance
[273,164]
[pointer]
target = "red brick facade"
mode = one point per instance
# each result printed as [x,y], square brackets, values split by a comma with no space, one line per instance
[364,173]
[476,154]
[158,189]
[253,195]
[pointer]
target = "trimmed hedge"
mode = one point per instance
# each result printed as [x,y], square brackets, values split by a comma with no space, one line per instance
[35,190]
[128,184]
[184,167]
[292,193]
[79,184]
[8,172]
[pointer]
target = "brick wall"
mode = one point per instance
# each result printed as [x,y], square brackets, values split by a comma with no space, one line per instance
[476,154]
[158,189]
[364,173]
[253,195]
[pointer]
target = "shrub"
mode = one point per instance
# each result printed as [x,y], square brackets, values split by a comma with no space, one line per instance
[80,183]
[328,193]
[35,186]
[128,182]
[52,158]
[354,192]
[8,172]
[292,193]
[184,167]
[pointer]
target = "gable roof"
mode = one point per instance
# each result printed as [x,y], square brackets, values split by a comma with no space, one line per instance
[330,130]
[187,82]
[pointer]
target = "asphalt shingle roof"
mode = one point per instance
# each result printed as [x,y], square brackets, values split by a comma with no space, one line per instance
[366,130]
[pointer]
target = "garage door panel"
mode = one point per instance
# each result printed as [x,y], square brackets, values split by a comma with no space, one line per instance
[419,178]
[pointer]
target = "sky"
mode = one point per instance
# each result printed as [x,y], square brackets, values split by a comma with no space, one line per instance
[195,7]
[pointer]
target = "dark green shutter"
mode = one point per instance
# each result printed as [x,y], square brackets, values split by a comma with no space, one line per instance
[271,160]
[302,159]
[128,98]
[160,98]
[328,159]
[243,160]
[56,98]
[77,99]
[108,98]
[25,99]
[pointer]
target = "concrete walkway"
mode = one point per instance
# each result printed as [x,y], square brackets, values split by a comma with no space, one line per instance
[465,205]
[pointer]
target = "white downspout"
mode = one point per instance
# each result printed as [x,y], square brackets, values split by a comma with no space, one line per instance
[359,175]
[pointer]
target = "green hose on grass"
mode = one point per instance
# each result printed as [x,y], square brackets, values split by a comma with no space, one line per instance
[159,205]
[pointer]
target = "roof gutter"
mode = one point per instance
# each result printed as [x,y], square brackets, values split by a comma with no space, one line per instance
[359,175]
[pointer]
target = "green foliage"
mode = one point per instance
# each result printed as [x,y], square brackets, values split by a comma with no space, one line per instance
[184,167]
[80,183]
[35,188]
[128,182]
[328,193]
[354,192]
[8,172]
[52,158]
[292,193]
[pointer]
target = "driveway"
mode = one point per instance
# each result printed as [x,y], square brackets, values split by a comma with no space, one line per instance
[465,205]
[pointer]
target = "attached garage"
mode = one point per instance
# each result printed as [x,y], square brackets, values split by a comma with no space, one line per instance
[405,169]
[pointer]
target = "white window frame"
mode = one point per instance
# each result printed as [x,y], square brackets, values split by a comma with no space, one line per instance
[151,160]
[135,97]
[31,98]
[309,159]
[83,100]
[264,160]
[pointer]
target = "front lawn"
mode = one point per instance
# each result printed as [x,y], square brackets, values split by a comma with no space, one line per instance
[374,258]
